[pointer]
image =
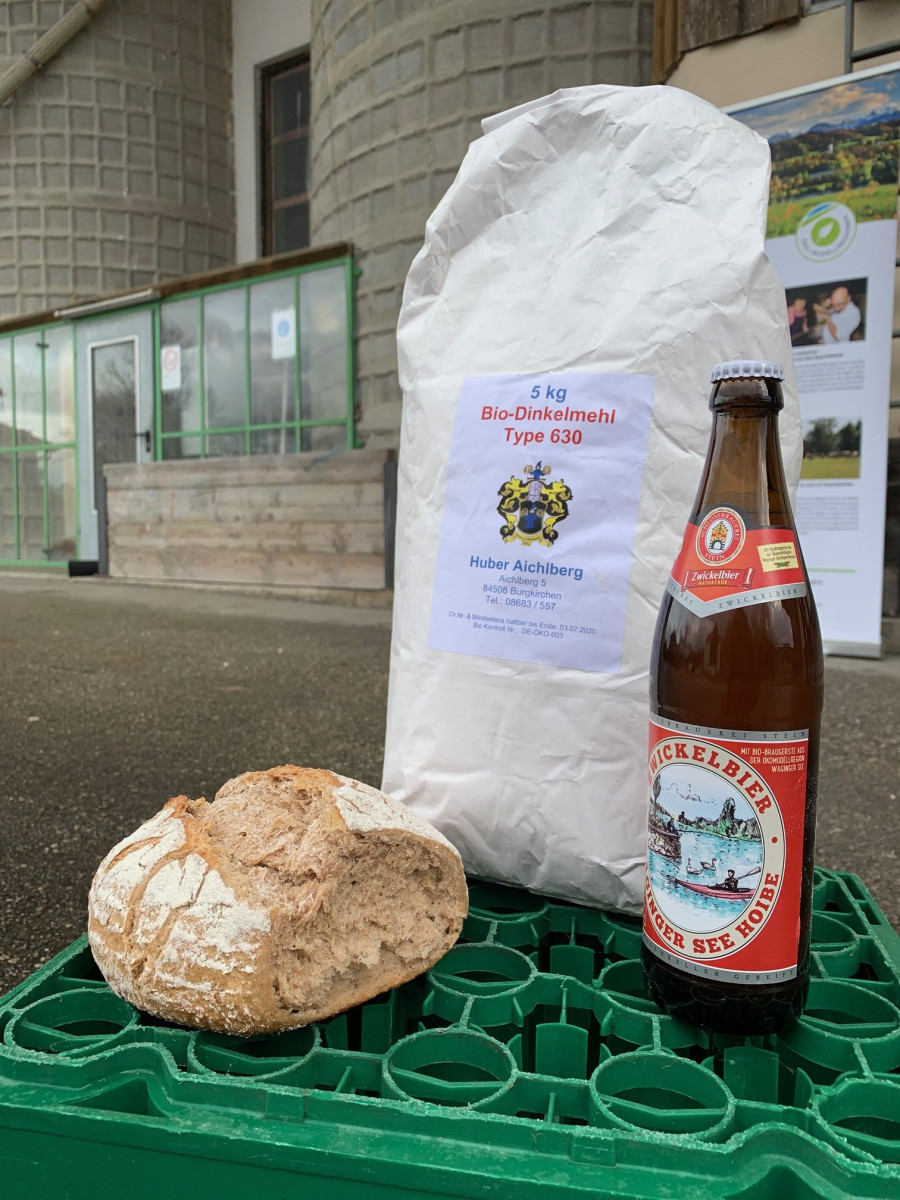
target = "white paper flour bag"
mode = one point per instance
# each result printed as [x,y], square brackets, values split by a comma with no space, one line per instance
[599,251]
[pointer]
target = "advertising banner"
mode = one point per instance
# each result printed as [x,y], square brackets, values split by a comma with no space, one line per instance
[832,236]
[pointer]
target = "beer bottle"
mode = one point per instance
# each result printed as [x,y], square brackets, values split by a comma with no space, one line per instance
[736,688]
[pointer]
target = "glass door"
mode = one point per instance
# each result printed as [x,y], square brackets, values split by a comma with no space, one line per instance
[115,375]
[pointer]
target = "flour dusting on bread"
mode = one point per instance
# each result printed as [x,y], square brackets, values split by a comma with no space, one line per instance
[364,808]
[294,895]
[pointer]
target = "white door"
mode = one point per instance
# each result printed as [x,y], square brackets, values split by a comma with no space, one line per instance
[115,402]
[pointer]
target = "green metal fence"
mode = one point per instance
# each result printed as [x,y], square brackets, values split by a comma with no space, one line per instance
[263,365]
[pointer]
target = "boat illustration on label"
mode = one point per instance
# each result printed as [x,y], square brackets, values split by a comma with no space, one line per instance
[724,849]
[705,848]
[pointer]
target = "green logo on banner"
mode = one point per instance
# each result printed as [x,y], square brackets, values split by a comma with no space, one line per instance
[826,231]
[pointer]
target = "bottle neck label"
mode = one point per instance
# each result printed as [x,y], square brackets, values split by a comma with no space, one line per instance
[724,565]
[725,851]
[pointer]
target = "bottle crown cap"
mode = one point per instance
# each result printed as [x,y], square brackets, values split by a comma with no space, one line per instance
[746,368]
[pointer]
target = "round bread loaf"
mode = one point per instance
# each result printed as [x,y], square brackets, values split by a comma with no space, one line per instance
[295,895]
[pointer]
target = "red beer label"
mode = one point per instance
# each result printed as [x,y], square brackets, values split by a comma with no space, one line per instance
[725,850]
[725,565]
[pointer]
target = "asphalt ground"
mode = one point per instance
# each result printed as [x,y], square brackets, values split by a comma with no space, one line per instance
[117,696]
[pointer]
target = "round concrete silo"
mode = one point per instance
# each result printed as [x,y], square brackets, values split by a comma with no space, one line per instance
[115,159]
[398,90]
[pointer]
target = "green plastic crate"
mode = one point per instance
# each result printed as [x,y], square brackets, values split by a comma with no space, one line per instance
[529,1063]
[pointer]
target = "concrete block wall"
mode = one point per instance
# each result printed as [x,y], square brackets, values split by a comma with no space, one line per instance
[399,88]
[116,159]
[303,521]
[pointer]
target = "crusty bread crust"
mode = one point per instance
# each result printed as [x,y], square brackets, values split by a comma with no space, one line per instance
[296,894]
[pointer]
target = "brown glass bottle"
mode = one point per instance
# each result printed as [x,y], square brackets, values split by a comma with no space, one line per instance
[736,693]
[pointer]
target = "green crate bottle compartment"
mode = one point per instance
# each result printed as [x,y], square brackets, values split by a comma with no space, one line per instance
[528,1061]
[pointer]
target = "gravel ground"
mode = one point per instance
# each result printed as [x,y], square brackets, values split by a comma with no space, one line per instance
[859,779]
[118,696]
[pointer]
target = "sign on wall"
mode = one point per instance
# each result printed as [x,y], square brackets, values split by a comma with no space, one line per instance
[832,236]
[284,333]
[170,363]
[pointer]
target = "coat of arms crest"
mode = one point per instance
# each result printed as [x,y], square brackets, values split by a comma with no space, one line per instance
[532,506]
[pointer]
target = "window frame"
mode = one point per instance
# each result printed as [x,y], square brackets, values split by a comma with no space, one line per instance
[266,73]
[248,428]
[44,448]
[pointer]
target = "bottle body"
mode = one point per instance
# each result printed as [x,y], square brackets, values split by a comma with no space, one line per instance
[735,697]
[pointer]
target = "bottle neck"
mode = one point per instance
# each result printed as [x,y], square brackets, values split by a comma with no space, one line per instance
[743,466]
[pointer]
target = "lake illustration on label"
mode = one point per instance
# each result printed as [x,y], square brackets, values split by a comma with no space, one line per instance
[705,848]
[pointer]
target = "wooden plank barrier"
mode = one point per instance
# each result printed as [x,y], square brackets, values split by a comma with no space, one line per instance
[303,520]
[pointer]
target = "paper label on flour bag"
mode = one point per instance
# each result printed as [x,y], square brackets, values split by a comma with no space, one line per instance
[543,483]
